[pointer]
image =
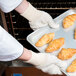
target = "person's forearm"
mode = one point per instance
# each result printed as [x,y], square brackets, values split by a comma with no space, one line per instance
[26,55]
[22,7]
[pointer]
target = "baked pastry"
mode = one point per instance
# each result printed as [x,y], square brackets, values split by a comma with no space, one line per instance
[55,45]
[74,16]
[69,20]
[72,67]
[45,39]
[66,53]
[75,34]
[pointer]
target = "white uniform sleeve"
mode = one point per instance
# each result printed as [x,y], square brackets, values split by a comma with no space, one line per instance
[10,48]
[9,5]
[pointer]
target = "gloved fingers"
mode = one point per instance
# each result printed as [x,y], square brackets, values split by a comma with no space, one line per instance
[37,25]
[72,74]
[62,64]
[52,23]
[46,18]
[52,69]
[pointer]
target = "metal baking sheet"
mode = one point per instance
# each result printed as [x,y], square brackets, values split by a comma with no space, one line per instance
[68,34]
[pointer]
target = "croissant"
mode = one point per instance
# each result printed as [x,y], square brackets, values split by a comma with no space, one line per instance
[55,45]
[74,16]
[45,39]
[69,20]
[72,67]
[66,53]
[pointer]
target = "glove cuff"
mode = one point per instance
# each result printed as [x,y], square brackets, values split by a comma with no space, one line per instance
[31,13]
[37,59]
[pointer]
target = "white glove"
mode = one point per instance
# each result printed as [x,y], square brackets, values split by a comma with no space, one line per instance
[51,69]
[38,18]
[46,62]
[72,74]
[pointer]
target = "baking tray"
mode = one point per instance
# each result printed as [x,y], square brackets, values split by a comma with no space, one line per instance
[68,34]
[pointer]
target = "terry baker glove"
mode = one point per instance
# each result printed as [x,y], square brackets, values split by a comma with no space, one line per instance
[46,62]
[38,18]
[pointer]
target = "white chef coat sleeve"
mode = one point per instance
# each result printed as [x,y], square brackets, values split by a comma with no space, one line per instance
[10,48]
[9,5]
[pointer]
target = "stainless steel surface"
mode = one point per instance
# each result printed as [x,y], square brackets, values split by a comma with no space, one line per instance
[68,34]
[18,63]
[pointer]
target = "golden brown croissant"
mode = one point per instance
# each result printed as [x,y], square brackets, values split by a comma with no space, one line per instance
[69,20]
[72,67]
[66,53]
[55,45]
[74,16]
[45,39]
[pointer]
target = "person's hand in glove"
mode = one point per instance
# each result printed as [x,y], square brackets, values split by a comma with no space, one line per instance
[36,17]
[46,62]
